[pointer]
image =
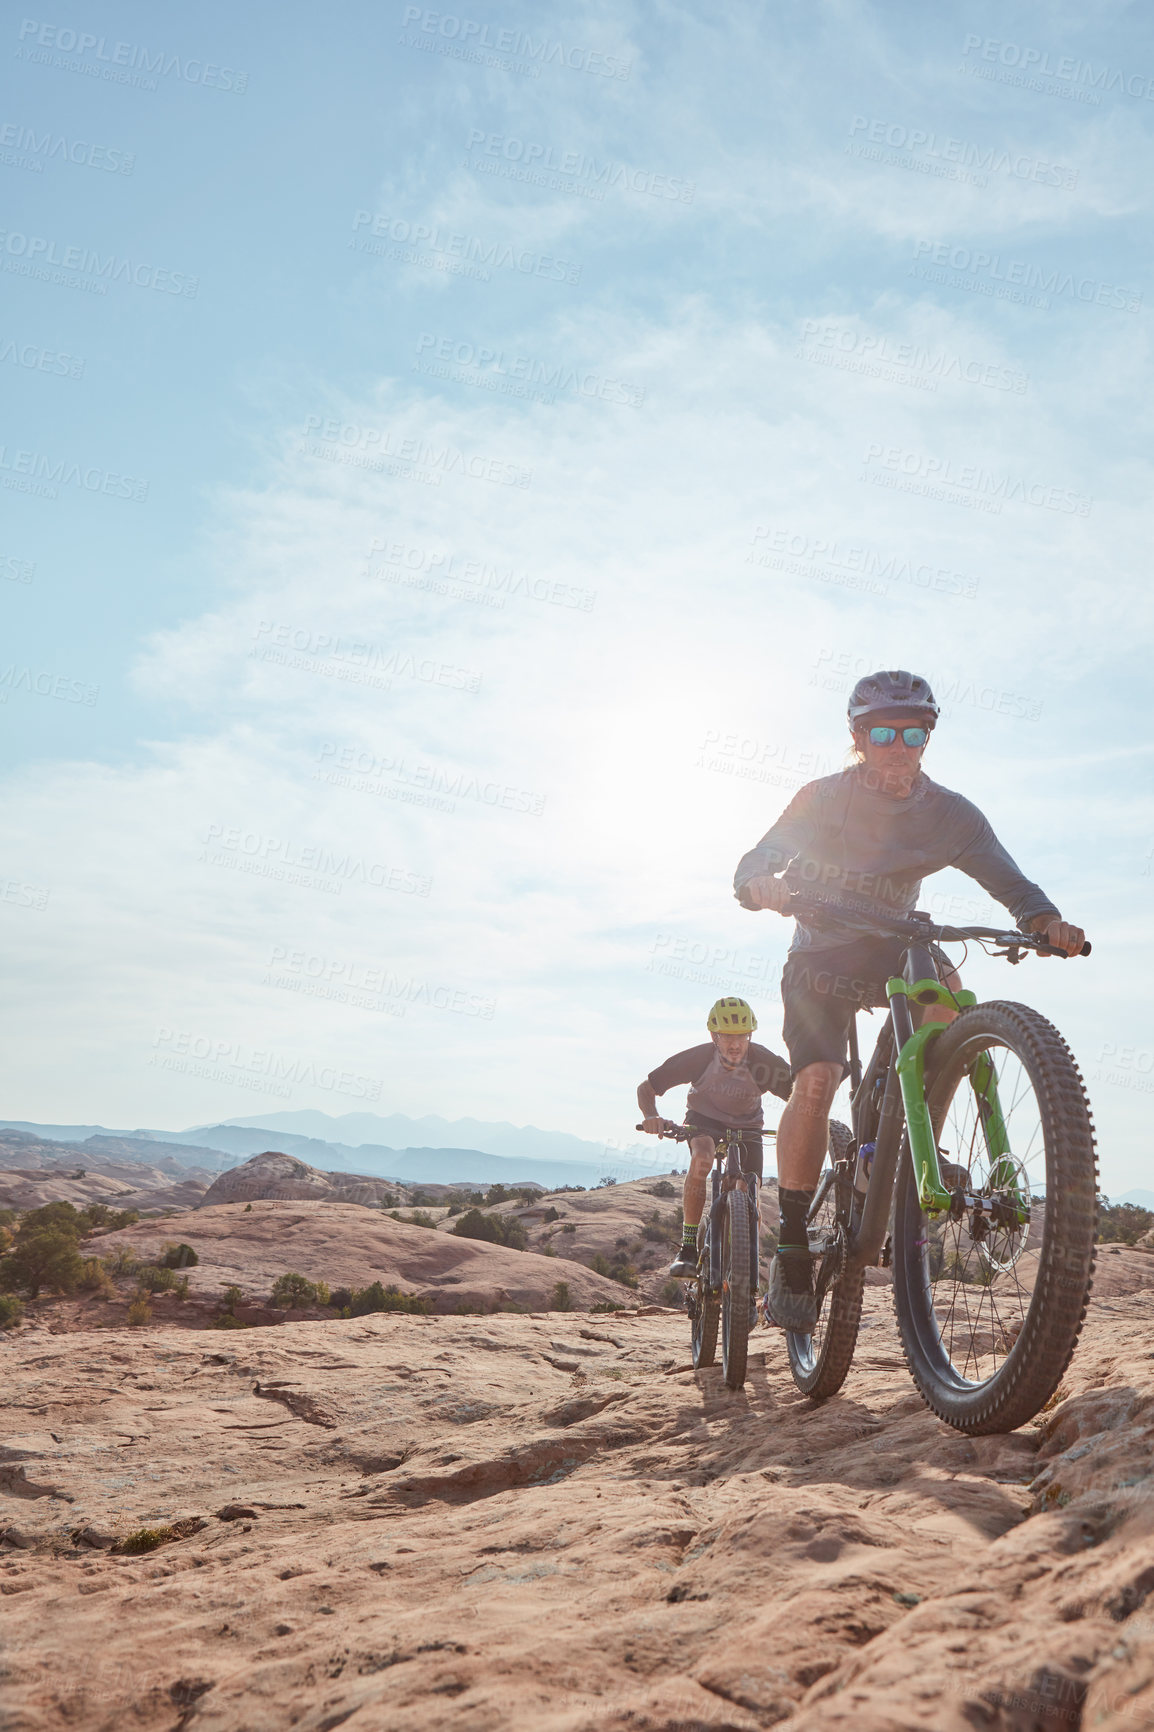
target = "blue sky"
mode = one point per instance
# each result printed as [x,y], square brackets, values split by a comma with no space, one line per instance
[485,448]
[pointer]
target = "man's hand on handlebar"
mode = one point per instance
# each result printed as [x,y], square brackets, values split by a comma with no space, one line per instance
[657,1127]
[1059,934]
[766,892]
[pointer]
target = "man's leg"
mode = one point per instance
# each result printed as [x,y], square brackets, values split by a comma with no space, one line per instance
[802,1141]
[693,1194]
[803,1134]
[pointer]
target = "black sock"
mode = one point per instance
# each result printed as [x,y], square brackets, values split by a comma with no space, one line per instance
[795,1206]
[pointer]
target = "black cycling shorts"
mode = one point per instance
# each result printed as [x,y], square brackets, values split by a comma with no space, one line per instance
[822,989]
[752,1144]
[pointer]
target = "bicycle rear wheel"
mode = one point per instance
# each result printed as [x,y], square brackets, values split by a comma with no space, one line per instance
[820,1362]
[990,1302]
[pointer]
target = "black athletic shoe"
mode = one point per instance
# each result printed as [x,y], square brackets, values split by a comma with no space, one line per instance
[684,1265]
[790,1302]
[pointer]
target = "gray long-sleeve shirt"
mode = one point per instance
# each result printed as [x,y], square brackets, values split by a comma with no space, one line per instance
[840,839]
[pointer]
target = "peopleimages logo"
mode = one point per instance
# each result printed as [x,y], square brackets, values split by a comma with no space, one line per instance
[50,261]
[1036,63]
[939,477]
[48,146]
[918,141]
[1021,279]
[118,62]
[444,249]
[472,35]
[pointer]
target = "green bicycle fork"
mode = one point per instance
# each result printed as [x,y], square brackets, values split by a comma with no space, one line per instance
[911,1069]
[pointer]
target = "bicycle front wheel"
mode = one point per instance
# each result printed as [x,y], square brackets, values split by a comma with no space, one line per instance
[819,1363]
[735,1295]
[990,1298]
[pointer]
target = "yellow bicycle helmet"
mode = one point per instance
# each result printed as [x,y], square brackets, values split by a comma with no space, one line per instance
[731,1016]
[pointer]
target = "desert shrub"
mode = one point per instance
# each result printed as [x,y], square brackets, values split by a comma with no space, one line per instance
[178,1257]
[152,1278]
[662,1229]
[566,1190]
[619,1270]
[496,1194]
[493,1229]
[293,1292]
[341,1297]
[455,1207]
[366,1300]
[607,1180]
[548,1251]
[11,1311]
[99,1218]
[47,1258]
[125,1260]
[419,1218]
[673,1295]
[422,1200]
[180,1291]
[559,1299]
[662,1189]
[94,1278]
[605,1305]
[569,1227]
[552,1214]
[50,1217]
[1122,1223]
[8,1217]
[140,1311]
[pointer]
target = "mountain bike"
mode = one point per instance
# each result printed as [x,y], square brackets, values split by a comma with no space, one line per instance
[724,1288]
[970,1170]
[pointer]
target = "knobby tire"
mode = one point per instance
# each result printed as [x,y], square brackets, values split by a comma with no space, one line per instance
[820,1363]
[735,1251]
[1038,1344]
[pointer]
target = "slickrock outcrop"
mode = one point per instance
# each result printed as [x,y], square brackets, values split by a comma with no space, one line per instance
[550,1524]
[285,1178]
[346,1246]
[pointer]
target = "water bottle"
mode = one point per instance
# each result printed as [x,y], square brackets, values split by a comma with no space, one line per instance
[865,1160]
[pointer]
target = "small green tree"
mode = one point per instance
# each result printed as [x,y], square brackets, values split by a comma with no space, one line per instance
[559,1299]
[493,1229]
[48,1258]
[367,1300]
[293,1292]
[179,1257]
[11,1311]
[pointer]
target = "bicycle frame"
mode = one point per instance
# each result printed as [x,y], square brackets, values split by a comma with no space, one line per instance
[904,1107]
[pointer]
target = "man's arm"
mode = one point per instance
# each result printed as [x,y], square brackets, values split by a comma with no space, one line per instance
[651,1119]
[984,859]
[756,882]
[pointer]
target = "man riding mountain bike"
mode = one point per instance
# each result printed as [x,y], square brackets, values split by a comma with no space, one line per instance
[864,839]
[727,1076]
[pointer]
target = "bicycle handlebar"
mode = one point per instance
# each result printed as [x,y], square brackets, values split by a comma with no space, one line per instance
[676,1133]
[913,926]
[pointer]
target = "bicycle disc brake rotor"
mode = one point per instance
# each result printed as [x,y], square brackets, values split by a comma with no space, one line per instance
[1002,1243]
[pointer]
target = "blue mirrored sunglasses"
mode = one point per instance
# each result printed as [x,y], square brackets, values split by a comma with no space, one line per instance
[910,736]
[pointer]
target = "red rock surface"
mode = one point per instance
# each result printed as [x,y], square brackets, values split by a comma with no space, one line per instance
[549,1524]
[348,1246]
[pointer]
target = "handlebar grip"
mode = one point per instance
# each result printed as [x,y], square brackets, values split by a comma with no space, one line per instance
[1049,950]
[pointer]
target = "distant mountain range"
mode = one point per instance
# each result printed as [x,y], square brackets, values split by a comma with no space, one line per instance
[501,1153]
